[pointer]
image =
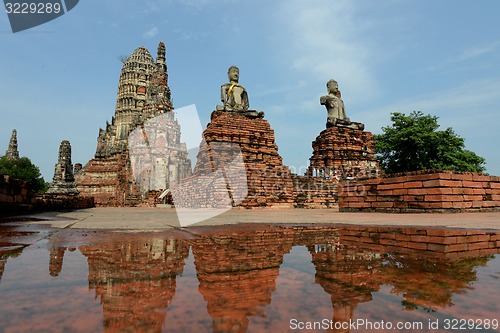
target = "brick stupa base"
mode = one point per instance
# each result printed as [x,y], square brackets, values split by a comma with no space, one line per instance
[109,181]
[343,152]
[268,182]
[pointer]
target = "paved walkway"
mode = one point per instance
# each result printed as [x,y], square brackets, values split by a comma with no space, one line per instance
[155,219]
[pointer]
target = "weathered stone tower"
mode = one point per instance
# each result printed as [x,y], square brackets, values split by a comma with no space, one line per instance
[143,93]
[12,153]
[136,137]
[63,181]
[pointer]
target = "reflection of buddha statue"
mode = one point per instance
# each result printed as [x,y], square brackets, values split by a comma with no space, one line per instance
[235,97]
[335,108]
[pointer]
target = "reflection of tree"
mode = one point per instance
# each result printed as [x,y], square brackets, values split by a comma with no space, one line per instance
[429,283]
[135,280]
[355,266]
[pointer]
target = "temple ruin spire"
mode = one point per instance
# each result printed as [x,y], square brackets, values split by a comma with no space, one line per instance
[64,180]
[161,62]
[12,153]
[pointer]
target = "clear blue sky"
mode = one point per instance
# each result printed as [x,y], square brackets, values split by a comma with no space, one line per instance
[59,81]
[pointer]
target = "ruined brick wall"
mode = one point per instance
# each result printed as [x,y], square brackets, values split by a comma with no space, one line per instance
[16,196]
[314,192]
[442,191]
[49,201]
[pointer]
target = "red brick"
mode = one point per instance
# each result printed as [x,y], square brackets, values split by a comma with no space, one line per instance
[409,198]
[444,198]
[417,191]
[495,197]
[370,198]
[437,247]
[385,192]
[473,197]
[416,184]
[391,186]
[478,191]
[429,176]
[491,203]
[359,205]
[495,237]
[419,238]
[495,184]
[402,237]
[442,240]
[402,191]
[477,204]
[492,190]
[384,241]
[445,232]
[461,176]
[382,204]
[417,246]
[400,204]
[415,231]
[479,238]
[373,181]
[488,252]
[391,180]
[462,205]
[478,246]
[431,190]
[473,184]
[431,205]
[462,190]
[456,247]
[442,183]
[480,178]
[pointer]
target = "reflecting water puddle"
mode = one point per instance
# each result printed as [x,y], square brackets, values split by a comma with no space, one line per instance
[249,278]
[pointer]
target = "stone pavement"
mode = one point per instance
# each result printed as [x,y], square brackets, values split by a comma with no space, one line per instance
[156,219]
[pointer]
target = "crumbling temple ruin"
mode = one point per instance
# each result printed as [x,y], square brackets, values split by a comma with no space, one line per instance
[12,152]
[343,150]
[139,151]
[64,180]
[143,105]
[264,182]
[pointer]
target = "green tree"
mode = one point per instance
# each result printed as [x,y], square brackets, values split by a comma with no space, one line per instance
[413,143]
[23,169]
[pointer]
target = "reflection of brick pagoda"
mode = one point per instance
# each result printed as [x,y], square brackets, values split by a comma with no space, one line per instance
[143,94]
[135,276]
[135,281]
[231,267]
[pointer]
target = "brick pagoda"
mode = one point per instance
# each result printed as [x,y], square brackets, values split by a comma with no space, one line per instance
[343,152]
[117,175]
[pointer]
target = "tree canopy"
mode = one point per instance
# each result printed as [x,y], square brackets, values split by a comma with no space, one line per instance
[414,143]
[23,169]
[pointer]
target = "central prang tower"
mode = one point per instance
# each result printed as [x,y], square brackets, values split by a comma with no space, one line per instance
[124,171]
[143,93]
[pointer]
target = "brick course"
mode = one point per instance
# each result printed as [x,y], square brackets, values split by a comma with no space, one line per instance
[443,191]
